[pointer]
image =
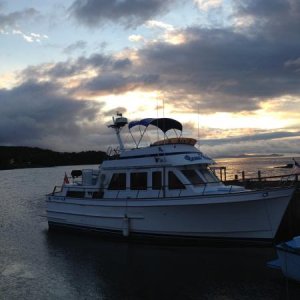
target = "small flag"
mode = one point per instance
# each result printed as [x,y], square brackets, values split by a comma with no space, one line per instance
[296,167]
[66,179]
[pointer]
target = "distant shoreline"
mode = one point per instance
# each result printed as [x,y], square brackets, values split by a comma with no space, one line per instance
[249,156]
[17,157]
[45,166]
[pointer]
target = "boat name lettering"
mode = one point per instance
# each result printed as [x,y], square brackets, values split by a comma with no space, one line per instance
[192,158]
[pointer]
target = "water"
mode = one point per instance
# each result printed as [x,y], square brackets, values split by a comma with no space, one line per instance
[250,165]
[37,264]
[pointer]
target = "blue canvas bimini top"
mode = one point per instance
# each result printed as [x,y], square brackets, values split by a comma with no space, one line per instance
[164,124]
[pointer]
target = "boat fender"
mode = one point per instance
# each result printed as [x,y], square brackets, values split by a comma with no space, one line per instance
[125,226]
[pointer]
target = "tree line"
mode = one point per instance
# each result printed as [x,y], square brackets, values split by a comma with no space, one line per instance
[29,157]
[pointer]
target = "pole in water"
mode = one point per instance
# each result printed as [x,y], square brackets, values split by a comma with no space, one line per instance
[259,175]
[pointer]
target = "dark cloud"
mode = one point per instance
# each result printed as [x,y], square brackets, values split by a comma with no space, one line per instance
[40,114]
[71,67]
[250,138]
[272,18]
[224,69]
[79,45]
[122,64]
[112,75]
[115,83]
[126,12]
[257,141]
[11,20]
[263,9]
[60,70]
[266,147]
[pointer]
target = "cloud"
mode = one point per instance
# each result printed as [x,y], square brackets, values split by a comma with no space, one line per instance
[214,70]
[267,147]
[224,68]
[79,45]
[274,19]
[129,13]
[170,33]
[206,5]
[31,37]
[41,114]
[256,137]
[252,61]
[11,20]
[159,25]
[12,23]
[120,109]
[111,75]
[255,142]
[136,38]
[116,83]
[70,67]
[293,63]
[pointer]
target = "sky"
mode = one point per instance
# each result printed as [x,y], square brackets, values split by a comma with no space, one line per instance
[228,70]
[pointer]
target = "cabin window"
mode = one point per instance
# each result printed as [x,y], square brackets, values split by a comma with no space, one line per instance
[193,177]
[138,181]
[118,182]
[156,180]
[173,182]
[209,176]
[75,194]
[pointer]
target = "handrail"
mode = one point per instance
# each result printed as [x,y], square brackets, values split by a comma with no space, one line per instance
[120,196]
[286,183]
[96,188]
[265,177]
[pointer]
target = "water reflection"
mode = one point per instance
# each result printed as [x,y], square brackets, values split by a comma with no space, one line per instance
[115,270]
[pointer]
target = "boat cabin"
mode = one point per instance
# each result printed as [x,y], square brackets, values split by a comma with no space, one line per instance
[167,168]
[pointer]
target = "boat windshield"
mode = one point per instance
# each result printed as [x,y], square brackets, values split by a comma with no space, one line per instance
[208,175]
[193,177]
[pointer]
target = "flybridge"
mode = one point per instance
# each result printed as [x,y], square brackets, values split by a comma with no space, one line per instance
[164,124]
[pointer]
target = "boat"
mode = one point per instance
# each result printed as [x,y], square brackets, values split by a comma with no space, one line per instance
[288,260]
[163,189]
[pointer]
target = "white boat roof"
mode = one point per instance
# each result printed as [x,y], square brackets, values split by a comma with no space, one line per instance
[159,155]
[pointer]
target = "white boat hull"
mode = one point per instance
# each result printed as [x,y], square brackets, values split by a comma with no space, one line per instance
[244,215]
[289,263]
[288,260]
